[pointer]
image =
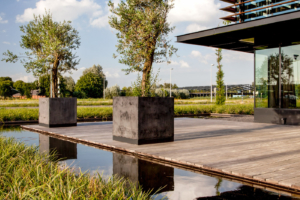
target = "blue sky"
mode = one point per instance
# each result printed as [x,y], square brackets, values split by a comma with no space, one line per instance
[98,40]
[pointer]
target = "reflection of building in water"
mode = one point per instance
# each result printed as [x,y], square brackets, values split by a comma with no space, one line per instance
[65,150]
[247,193]
[151,176]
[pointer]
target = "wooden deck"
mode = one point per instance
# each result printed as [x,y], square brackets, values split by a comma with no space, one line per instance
[263,153]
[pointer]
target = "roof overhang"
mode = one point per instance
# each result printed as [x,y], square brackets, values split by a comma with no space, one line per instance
[248,36]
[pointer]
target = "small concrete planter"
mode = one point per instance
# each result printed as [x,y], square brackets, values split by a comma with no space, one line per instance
[143,120]
[57,112]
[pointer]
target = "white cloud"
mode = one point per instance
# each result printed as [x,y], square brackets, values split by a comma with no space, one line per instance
[110,75]
[2,21]
[3,31]
[174,63]
[194,28]
[69,10]
[62,9]
[8,43]
[194,11]
[100,22]
[202,58]
[82,68]
[184,64]
[233,56]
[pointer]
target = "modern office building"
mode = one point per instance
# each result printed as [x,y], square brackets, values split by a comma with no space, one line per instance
[270,30]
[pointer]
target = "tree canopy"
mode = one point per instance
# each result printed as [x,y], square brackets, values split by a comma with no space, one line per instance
[220,97]
[6,88]
[91,84]
[142,35]
[70,83]
[48,44]
[20,86]
[96,69]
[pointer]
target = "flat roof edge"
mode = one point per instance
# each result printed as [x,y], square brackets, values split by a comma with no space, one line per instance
[239,26]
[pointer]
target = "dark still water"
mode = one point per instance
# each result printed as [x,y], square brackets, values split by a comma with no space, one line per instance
[178,184]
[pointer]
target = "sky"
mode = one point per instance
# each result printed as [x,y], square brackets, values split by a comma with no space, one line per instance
[191,66]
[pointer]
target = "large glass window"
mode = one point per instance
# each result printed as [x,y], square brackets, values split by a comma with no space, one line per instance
[267,78]
[290,77]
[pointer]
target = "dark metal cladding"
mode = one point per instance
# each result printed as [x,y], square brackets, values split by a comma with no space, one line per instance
[249,36]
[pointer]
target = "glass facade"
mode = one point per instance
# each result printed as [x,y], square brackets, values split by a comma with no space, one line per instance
[277,77]
[245,10]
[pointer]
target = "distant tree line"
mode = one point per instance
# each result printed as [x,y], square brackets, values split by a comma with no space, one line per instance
[89,85]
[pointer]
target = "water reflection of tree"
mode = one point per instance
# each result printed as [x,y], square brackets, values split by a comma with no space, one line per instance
[267,76]
[217,186]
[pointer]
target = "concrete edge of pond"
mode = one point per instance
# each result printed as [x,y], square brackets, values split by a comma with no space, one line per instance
[292,190]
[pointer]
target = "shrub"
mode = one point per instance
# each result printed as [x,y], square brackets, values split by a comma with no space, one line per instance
[112,92]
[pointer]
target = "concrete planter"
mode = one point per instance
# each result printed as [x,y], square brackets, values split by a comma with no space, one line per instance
[143,120]
[57,112]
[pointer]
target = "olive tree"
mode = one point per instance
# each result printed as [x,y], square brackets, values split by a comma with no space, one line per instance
[49,46]
[142,35]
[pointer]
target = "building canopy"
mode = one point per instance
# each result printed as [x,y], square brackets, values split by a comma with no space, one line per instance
[248,36]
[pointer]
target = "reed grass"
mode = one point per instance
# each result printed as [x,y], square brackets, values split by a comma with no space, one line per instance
[207,109]
[26,114]
[27,174]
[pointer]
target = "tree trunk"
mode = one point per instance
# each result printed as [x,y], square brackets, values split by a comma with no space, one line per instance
[54,79]
[146,74]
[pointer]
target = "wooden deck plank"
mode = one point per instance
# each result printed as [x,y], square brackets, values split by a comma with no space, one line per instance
[264,152]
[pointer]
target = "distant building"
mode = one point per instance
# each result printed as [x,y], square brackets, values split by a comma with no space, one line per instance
[232,90]
[34,95]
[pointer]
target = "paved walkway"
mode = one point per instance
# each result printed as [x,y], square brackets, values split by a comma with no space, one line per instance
[267,153]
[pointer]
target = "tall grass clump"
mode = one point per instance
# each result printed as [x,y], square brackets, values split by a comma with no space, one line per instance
[223,109]
[98,112]
[27,174]
[19,114]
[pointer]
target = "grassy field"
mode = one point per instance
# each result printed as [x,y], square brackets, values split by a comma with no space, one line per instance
[27,174]
[25,114]
[99,102]
[35,103]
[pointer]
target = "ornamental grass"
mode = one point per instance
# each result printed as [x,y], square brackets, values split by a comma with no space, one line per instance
[26,114]
[27,174]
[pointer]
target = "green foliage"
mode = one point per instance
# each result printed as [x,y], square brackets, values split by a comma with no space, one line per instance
[150,87]
[167,86]
[220,96]
[20,86]
[25,114]
[91,84]
[70,83]
[112,92]
[95,69]
[6,89]
[223,109]
[49,44]
[19,114]
[142,35]
[79,94]
[126,91]
[44,85]
[5,79]
[27,173]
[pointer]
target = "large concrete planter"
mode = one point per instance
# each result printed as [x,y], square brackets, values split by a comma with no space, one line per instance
[143,120]
[58,112]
